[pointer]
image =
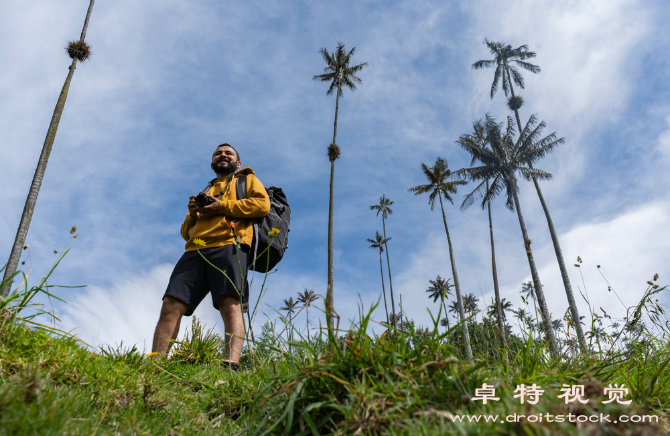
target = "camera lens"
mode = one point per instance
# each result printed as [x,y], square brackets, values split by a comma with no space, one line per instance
[201,200]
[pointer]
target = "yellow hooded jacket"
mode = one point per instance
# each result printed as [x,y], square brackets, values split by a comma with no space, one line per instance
[215,229]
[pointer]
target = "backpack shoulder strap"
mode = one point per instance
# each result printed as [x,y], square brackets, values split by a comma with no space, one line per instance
[242,187]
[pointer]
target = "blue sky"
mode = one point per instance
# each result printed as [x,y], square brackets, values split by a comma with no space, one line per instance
[168,81]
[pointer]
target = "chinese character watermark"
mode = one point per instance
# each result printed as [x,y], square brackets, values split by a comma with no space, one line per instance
[485,393]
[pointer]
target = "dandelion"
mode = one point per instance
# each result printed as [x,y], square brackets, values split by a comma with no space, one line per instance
[73,229]
[153,354]
[275,230]
[199,243]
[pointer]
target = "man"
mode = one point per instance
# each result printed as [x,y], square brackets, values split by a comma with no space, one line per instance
[215,228]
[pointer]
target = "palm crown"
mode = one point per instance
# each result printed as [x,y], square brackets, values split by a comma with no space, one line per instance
[338,71]
[289,306]
[307,297]
[439,288]
[438,182]
[505,56]
[378,242]
[384,207]
[506,157]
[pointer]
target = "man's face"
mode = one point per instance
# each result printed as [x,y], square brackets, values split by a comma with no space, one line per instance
[224,161]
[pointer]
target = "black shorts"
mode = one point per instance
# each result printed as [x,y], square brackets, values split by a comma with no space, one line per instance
[192,277]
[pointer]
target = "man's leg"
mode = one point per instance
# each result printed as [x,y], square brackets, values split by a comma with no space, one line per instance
[168,323]
[233,321]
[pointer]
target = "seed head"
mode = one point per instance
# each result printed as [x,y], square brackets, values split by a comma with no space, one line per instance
[515,103]
[333,152]
[78,50]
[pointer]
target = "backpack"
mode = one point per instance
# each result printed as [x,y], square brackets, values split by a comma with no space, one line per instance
[279,217]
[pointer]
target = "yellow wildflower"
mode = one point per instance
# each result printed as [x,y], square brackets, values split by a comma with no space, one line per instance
[154,354]
[199,242]
[275,230]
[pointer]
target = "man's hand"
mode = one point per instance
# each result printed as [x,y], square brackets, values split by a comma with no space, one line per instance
[192,208]
[210,209]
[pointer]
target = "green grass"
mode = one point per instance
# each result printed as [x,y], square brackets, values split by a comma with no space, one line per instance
[410,381]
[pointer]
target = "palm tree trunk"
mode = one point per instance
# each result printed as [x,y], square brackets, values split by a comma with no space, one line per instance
[446,315]
[31,200]
[549,331]
[329,292]
[457,285]
[501,325]
[388,263]
[307,314]
[564,272]
[557,248]
[381,269]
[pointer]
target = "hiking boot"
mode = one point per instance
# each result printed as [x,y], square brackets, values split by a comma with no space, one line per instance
[233,366]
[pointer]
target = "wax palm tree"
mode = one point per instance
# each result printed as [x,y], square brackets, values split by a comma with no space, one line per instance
[307,298]
[384,207]
[505,59]
[78,51]
[505,62]
[289,307]
[439,186]
[440,288]
[507,157]
[444,322]
[340,75]
[506,306]
[379,243]
[478,137]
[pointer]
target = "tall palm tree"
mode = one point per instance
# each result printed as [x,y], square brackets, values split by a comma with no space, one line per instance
[307,298]
[340,75]
[440,288]
[505,56]
[384,207]
[478,137]
[439,186]
[78,51]
[289,307]
[379,243]
[500,164]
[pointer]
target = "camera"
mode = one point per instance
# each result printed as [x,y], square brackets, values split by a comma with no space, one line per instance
[201,200]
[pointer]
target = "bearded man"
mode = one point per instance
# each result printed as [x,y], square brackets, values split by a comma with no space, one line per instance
[220,230]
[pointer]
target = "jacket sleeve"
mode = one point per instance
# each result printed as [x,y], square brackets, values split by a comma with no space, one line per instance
[256,205]
[189,222]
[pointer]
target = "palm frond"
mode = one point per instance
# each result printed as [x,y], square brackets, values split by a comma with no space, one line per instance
[518,78]
[528,66]
[483,64]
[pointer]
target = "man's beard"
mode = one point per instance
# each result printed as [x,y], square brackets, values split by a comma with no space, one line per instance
[224,167]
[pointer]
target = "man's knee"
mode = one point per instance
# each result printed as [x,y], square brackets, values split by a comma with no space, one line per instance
[173,307]
[228,303]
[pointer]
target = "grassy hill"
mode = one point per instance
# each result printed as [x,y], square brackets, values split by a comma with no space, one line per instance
[410,381]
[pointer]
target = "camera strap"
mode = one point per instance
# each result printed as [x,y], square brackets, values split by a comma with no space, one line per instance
[213,182]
